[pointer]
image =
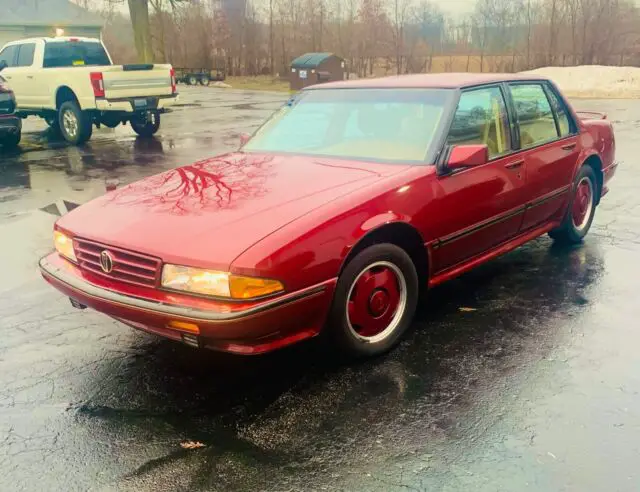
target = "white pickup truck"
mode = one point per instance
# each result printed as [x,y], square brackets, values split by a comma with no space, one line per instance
[72,84]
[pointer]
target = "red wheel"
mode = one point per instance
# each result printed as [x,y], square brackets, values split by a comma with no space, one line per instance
[374,302]
[582,204]
[581,210]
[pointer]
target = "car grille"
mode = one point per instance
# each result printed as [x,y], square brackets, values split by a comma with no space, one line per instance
[130,267]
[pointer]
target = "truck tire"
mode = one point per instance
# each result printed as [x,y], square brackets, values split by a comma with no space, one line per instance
[75,124]
[146,126]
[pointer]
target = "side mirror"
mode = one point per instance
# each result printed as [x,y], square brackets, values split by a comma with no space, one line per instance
[244,138]
[3,65]
[462,156]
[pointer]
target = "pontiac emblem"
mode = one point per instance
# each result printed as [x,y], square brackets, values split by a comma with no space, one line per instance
[106,261]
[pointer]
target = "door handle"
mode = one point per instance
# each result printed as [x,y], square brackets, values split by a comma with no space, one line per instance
[514,164]
[569,147]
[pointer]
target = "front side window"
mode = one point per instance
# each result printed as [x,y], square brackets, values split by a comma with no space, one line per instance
[25,54]
[481,118]
[8,55]
[74,54]
[535,117]
[391,125]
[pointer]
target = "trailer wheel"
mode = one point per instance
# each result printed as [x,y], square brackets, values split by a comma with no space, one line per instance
[205,80]
[192,80]
[146,125]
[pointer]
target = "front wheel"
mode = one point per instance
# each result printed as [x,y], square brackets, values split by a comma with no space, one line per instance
[75,125]
[205,80]
[11,141]
[375,301]
[146,125]
[192,80]
[581,209]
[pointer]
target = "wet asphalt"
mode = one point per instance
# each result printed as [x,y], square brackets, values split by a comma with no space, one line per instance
[522,375]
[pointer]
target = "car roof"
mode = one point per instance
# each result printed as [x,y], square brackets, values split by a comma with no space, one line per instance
[429,80]
[58,39]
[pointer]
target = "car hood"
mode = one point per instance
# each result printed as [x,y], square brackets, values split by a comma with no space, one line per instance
[208,213]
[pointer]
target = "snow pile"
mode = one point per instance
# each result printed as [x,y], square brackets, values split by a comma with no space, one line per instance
[594,80]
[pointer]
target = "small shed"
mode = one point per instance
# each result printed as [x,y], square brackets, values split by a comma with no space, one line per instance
[316,68]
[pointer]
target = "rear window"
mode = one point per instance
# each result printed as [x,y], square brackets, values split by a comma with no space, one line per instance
[74,54]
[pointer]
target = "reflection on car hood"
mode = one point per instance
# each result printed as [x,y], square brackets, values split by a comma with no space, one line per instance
[209,212]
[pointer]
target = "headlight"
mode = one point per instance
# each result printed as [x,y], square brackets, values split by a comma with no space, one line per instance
[64,245]
[218,284]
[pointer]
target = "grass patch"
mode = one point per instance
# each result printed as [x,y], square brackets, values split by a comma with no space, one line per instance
[259,83]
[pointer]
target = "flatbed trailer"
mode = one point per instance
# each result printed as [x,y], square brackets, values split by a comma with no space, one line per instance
[202,76]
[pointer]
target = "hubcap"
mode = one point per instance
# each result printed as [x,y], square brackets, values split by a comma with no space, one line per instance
[376,301]
[582,204]
[70,123]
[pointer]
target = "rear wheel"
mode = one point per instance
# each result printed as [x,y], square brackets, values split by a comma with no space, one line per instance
[205,80]
[581,210]
[375,301]
[192,80]
[75,125]
[146,125]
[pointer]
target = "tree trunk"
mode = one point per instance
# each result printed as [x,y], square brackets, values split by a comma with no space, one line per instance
[139,12]
[271,48]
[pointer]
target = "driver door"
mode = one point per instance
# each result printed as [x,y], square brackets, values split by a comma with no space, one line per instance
[478,207]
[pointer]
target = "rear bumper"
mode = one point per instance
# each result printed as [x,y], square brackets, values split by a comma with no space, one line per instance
[253,328]
[10,125]
[127,105]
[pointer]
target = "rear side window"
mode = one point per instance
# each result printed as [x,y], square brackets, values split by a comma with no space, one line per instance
[564,121]
[74,54]
[535,117]
[481,118]
[8,55]
[25,54]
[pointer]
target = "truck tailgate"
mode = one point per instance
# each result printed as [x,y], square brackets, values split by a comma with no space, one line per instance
[120,83]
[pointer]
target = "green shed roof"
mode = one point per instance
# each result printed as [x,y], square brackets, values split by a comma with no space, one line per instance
[310,60]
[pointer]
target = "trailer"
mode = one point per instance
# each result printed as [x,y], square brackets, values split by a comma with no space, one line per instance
[202,76]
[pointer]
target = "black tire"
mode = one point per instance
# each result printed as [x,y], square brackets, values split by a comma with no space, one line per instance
[146,126]
[75,125]
[10,142]
[354,289]
[205,80]
[192,80]
[579,215]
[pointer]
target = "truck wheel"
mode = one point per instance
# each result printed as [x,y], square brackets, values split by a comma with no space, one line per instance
[75,124]
[205,80]
[192,80]
[581,209]
[374,301]
[146,126]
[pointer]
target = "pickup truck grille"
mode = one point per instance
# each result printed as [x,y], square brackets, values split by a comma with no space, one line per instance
[126,266]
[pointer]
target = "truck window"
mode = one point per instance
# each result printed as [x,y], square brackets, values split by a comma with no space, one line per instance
[25,54]
[74,54]
[8,55]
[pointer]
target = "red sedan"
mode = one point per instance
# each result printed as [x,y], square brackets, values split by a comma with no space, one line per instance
[337,211]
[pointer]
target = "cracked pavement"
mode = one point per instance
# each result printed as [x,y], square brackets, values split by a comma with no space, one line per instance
[535,387]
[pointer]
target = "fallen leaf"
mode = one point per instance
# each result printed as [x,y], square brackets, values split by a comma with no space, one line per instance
[191,445]
[467,309]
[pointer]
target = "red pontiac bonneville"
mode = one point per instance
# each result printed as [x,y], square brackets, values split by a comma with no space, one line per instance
[336,212]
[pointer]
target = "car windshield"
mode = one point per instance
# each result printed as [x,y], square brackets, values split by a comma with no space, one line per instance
[392,125]
[74,54]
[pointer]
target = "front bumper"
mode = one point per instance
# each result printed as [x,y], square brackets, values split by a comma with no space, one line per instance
[239,327]
[127,105]
[10,125]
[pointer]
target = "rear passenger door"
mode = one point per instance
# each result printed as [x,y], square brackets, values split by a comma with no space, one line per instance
[548,143]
